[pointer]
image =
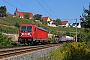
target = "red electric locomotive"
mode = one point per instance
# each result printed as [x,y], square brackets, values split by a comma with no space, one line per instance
[31,34]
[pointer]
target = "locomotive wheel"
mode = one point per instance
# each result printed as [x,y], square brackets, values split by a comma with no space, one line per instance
[28,43]
[44,42]
[25,43]
[31,43]
[48,42]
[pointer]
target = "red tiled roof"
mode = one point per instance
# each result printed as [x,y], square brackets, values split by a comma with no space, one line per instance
[64,22]
[22,13]
[45,18]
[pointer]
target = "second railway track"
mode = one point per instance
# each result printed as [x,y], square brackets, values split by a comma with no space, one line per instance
[8,52]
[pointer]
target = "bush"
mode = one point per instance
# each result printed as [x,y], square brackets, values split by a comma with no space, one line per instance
[17,25]
[72,51]
[7,29]
[84,35]
[5,41]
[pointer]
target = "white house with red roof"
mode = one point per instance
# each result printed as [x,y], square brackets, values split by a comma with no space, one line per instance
[21,14]
[64,24]
[76,24]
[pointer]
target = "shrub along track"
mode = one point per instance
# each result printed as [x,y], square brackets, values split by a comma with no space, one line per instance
[12,51]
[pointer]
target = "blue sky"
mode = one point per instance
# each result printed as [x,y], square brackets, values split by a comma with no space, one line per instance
[63,9]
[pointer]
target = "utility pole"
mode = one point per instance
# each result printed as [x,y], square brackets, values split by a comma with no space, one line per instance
[32,20]
[76,29]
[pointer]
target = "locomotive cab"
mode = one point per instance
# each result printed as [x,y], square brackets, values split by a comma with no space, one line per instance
[26,31]
[25,34]
[30,34]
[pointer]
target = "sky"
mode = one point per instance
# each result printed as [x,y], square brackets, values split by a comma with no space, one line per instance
[63,9]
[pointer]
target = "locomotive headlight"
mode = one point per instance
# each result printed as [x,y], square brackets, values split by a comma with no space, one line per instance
[21,34]
[29,34]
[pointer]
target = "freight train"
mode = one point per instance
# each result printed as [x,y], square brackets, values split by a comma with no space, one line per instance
[31,34]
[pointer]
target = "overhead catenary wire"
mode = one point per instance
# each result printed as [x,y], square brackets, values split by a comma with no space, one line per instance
[43,7]
[26,7]
[23,5]
[11,4]
[49,8]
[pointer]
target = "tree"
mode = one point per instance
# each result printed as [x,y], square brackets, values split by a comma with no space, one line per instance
[3,11]
[84,35]
[58,21]
[27,16]
[85,18]
[37,16]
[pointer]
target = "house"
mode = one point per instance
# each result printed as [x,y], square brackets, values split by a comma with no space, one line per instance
[48,19]
[21,14]
[51,23]
[78,25]
[64,24]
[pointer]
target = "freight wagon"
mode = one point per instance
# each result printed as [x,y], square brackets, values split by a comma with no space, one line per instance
[31,34]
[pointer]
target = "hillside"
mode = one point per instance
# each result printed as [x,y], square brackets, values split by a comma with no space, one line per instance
[5,24]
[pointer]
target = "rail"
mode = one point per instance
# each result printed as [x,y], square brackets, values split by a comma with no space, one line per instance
[8,52]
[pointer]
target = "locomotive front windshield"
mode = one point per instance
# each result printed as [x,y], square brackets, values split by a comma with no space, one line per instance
[26,28]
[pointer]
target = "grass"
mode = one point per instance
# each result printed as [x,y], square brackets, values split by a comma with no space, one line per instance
[11,21]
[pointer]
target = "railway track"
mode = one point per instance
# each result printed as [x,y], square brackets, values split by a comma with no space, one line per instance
[12,51]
